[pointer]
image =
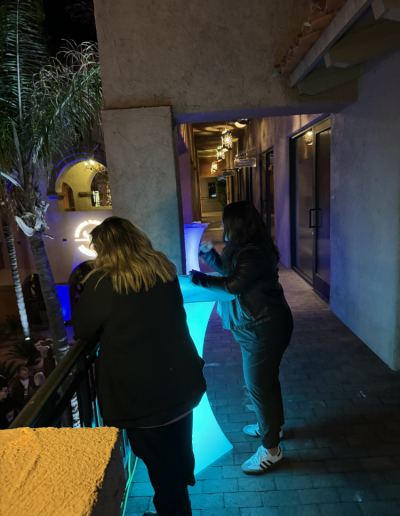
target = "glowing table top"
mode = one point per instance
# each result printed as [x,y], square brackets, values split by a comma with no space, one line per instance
[209,441]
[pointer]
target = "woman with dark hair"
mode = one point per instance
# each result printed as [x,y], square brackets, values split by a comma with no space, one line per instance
[259,317]
[148,373]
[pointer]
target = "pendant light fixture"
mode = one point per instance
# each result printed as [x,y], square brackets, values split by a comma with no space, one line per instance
[220,153]
[227,139]
[214,167]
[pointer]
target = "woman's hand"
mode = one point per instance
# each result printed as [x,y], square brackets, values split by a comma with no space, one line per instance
[197,278]
[206,245]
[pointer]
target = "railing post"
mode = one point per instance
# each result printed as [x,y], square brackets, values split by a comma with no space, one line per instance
[85,393]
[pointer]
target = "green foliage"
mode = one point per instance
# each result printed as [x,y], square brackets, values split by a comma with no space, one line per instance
[221,193]
[8,370]
[25,350]
[45,104]
[66,101]
[23,53]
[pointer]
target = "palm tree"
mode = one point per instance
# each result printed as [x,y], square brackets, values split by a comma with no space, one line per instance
[5,212]
[46,104]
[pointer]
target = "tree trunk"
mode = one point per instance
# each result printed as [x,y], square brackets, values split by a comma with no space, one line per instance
[9,238]
[50,296]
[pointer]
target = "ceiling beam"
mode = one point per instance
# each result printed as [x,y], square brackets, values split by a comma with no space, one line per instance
[345,18]
[324,79]
[379,38]
[386,9]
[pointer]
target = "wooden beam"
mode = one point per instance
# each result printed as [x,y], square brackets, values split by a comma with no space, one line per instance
[325,79]
[377,39]
[386,9]
[345,18]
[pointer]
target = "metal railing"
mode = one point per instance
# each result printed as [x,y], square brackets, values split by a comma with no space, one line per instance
[72,383]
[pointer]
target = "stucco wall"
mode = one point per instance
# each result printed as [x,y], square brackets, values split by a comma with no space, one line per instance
[144,175]
[63,471]
[211,58]
[365,182]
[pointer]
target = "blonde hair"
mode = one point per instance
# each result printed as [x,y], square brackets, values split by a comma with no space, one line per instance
[125,254]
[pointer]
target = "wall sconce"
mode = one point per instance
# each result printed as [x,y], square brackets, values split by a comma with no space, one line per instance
[214,167]
[308,138]
[242,123]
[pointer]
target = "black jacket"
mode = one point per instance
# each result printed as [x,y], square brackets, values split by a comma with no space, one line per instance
[254,281]
[148,371]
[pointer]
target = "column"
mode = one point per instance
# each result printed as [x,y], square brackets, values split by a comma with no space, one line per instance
[144,175]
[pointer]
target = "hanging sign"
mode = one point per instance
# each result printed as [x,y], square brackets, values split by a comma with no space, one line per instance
[228,172]
[245,162]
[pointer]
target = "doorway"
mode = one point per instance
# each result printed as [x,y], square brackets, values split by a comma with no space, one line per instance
[267,191]
[310,206]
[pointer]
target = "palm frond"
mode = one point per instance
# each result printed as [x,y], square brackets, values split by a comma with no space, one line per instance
[22,54]
[10,178]
[67,100]
[8,370]
[25,350]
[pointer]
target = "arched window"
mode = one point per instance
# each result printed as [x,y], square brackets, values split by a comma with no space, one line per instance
[101,195]
[68,200]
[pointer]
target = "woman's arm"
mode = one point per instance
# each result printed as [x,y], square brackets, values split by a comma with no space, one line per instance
[93,309]
[213,259]
[250,265]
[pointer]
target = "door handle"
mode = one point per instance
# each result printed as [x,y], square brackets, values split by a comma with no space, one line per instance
[309,217]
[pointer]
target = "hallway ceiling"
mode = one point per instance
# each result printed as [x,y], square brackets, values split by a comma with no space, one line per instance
[208,136]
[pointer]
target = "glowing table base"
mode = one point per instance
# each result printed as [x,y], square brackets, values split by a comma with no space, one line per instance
[209,441]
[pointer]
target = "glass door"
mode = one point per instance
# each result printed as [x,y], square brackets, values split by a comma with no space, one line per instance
[310,206]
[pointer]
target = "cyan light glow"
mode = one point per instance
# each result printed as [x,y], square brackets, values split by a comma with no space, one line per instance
[63,294]
[193,233]
[209,441]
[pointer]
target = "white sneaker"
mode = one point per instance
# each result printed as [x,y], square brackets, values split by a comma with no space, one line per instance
[261,461]
[254,431]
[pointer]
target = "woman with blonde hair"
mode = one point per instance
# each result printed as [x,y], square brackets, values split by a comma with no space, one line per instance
[148,372]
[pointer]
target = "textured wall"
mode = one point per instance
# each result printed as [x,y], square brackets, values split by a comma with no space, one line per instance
[144,177]
[63,471]
[201,56]
[365,201]
[186,187]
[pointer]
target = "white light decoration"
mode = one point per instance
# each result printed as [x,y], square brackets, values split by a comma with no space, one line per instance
[220,153]
[84,237]
[214,167]
[227,139]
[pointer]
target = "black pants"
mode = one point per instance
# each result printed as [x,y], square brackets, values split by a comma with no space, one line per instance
[262,350]
[168,455]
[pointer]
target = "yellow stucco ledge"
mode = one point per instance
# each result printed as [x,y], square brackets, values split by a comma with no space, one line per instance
[63,472]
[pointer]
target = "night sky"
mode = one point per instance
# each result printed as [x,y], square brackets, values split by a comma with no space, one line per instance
[59,24]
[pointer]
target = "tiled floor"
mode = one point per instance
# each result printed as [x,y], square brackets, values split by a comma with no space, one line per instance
[342,432]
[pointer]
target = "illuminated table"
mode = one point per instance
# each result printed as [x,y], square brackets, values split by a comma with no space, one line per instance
[209,441]
[193,233]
